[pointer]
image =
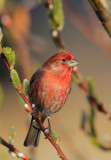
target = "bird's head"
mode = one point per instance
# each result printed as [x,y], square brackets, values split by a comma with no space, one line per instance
[61,62]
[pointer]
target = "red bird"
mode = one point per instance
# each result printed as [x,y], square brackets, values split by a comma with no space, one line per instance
[49,89]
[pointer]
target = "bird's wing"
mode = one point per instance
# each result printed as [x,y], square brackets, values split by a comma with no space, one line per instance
[34,84]
[36,76]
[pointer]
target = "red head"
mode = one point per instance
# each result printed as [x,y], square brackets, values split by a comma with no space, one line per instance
[62,55]
[60,62]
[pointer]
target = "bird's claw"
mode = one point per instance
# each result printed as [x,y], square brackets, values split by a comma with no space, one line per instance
[34,111]
[47,133]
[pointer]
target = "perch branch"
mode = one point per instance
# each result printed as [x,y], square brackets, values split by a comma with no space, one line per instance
[13,151]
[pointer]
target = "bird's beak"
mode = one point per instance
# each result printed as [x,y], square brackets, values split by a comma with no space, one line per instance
[72,63]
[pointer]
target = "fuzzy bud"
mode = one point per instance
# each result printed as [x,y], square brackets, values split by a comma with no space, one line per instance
[15,78]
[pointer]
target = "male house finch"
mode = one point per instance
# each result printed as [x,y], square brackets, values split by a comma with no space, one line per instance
[49,89]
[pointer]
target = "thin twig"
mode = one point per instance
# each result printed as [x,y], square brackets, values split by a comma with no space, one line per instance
[83,85]
[94,33]
[57,38]
[13,151]
[92,132]
[103,13]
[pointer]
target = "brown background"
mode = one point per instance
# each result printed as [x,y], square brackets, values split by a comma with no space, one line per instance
[93,62]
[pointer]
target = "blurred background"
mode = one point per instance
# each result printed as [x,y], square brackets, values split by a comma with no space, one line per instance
[27,31]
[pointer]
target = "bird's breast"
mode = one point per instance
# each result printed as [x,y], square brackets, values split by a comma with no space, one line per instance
[54,92]
[51,92]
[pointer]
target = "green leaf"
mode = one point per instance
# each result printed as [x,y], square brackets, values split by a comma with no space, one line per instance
[10,56]
[26,87]
[83,120]
[55,136]
[73,78]
[77,80]
[95,142]
[92,122]
[91,85]
[91,88]
[51,20]
[15,78]
[56,15]
[97,98]
[12,134]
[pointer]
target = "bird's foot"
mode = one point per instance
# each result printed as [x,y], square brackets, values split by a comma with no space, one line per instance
[47,133]
[52,134]
[34,109]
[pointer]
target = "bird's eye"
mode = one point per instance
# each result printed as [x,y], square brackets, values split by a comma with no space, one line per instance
[63,60]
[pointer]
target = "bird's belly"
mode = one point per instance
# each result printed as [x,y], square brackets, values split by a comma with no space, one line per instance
[54,100]
[50,95]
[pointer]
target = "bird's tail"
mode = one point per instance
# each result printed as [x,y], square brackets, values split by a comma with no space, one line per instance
[33,134]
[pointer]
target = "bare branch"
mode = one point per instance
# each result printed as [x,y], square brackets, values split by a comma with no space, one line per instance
[13,151]
[103,11]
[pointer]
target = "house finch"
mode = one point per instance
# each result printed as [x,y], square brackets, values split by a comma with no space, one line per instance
[49,89]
